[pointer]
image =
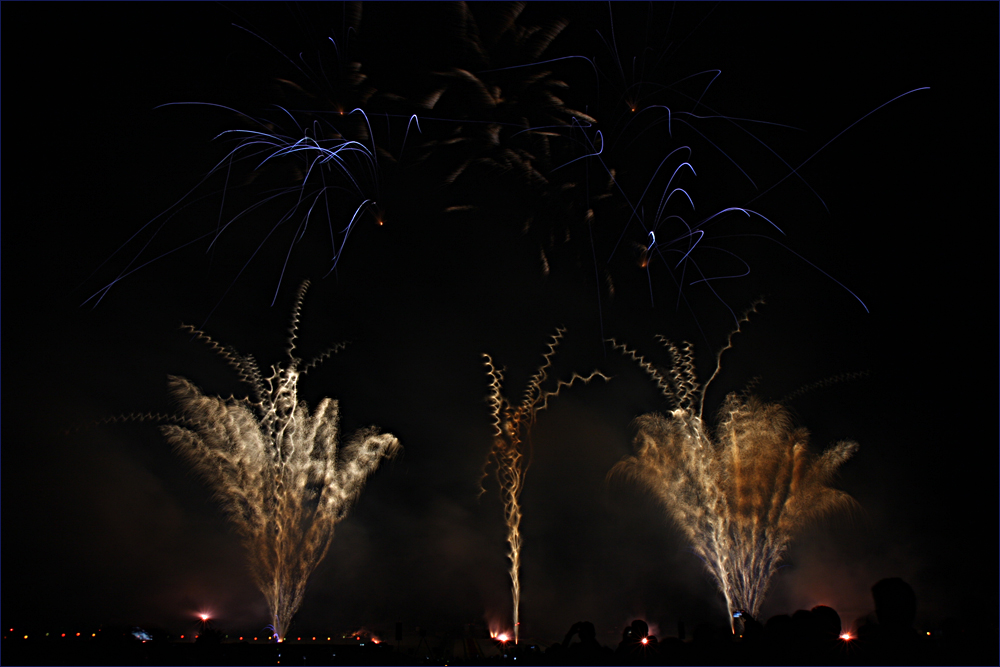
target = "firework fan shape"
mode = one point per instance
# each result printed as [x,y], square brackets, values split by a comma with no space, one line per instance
[740,496]
[511,451]
[278,468]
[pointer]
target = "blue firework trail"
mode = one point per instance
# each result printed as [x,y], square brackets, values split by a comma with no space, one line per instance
[677,236]
[331,167]
[582,159]
[325,166]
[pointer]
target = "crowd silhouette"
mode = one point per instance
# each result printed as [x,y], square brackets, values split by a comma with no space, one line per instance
[816,636]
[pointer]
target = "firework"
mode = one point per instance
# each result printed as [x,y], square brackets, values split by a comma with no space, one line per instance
[328,174]
[509,127]
[511,451]
[739,496]
[278,469]
[311,161]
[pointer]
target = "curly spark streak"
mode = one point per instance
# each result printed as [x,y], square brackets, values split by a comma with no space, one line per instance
[511,433]
[278,469]
[738,497]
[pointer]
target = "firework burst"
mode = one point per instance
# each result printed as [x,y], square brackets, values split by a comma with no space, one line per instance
[278,469]
[739,495]
[512,446]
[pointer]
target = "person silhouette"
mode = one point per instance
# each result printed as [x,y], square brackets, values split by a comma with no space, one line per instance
[893,639]
[637,645]
[827,628]
[587,650]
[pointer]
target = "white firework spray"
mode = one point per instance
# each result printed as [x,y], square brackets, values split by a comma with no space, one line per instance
[278,468]
[740,496]
[512,426]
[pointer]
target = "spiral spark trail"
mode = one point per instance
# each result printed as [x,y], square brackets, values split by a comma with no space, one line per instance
[279,471]
[511,433]
[738,497]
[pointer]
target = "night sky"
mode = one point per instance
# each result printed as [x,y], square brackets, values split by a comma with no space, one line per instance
[106,525]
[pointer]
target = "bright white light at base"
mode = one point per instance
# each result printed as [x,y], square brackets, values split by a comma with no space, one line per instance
[847,636]
[503,636]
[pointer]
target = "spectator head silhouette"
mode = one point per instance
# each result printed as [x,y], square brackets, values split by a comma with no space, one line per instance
[826,622]
[895,603]
[779,627]
[587,632]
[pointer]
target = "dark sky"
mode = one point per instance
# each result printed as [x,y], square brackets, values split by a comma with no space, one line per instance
[107,525]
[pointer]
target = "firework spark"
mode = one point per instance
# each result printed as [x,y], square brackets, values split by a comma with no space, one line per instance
[279,471]
[739,496]
[511,436]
